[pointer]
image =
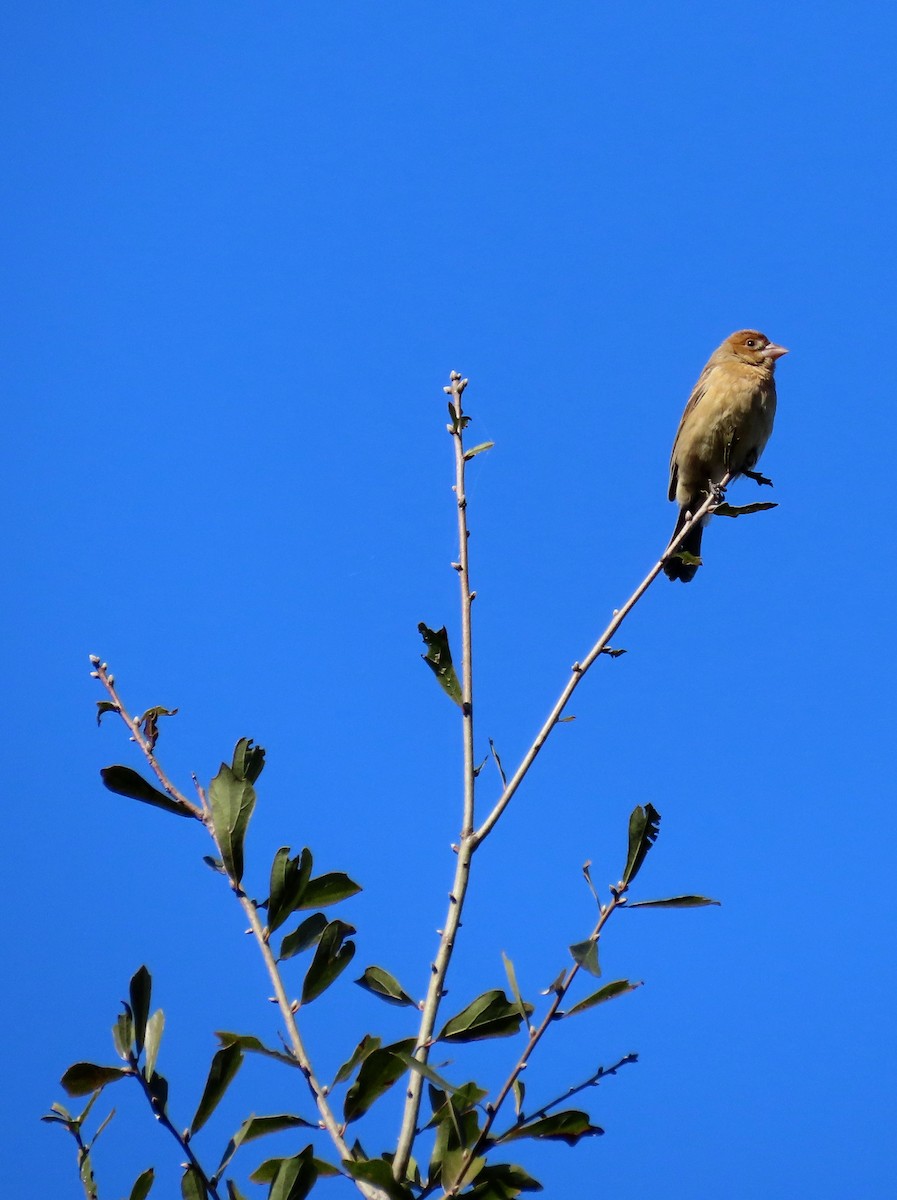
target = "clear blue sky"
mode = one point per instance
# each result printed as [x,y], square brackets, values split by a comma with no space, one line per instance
[245,244]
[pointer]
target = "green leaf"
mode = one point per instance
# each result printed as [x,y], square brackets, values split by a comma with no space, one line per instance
[246,1041]
[158,1089]
[512,984]
[424,1069]
[490,1015]
[125,782]
[611,653]
[141,989]
[644,825]
[142,1185]
[104,706]
[149,722]
[674,902]
[328,889]
[154,1027]
[519,1089]
[306,935]
[379,1071]
[215,863]
[192,1186]
[233,1191]
[123,1034]
[232,801]
[569,1126]
[500,1181]
[249,760]
[366,1046]
[332,955]
[742,510]
[225,1064]
[83,1078]
[439,659]
[289,878]
[586,954]
[474,450]
[256,1127]
[378,1172]
[610,991]
[295,1177]
[386,986]
[558,984]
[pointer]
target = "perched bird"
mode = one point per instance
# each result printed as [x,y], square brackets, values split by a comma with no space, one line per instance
[726,423]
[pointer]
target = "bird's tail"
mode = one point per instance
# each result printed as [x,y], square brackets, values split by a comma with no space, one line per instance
[675,568]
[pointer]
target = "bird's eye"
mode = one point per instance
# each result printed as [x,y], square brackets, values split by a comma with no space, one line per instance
[750,342]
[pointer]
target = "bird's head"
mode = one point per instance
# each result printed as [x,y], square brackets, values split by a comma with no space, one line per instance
[750,346]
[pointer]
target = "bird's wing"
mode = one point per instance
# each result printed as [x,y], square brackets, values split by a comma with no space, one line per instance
[693,401]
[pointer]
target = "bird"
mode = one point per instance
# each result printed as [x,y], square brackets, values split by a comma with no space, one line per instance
[724,429]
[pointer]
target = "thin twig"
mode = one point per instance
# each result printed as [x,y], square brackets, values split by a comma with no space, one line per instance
[579,669]
[165,1121]
[465,849]
[601,1073]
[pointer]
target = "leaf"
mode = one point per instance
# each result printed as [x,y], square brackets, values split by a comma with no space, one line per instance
[104,706]
[123,1034]
[149,722]
[499,1181]
[215,863]
[249,760]
[332,955]
[142,1185]
[611,653]
[474,450]
[306,935]
[644,825]
[231,800]
[587,874]
[439,659]
[558,984]
[366,1046]
[158,1089]
[125,782]
[295,1177]
[674,902]
[233,1191]
[256,1127]
[224,1066]
[425,1070]
[141,988]
[328,889]
[512,984]
[154,1027]
[83,1078]
[246,1041]
[378,1172]
[501,770]
[490,1015]
[379,1071]
[742,510]
[519,1090]
[289,878]
[192,1186]
[386,986]
[586,954]
[569,1126]
[610,991]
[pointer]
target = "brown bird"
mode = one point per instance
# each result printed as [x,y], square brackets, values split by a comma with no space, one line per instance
[726,423]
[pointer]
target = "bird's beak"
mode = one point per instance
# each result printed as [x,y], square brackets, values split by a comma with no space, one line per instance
[773,351]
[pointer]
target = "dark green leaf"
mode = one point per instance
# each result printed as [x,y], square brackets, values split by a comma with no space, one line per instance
[233,1191]
[104,706]
[619,987]
[307,934]
[490,1015]
[256,1127]
[568,1126]
[501,770]
[386,986]
[379,1071]
[378,1172]
[83,1078]
[158,1089]
[289,878]
[558,984]
[611,653]
[328,889]
[424,1069]
[192,1186]
[142,1185]
[439,658]
[295,1177]
[474,450]
[246,1041]
[512,983]
[232,801]
[366,1046]
[519,1090]
[149,722]
[125,782]
[248,760]
[586,954]
[742,510]
[141,989]
[332,955]
[454,1162]
[500,1181]
[225,1064]
[588,878]
[123,1034]
[674,902]
[215,863]
[644,825]
[154,1028]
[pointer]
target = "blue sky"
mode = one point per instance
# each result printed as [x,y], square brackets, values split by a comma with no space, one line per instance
[245,246]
